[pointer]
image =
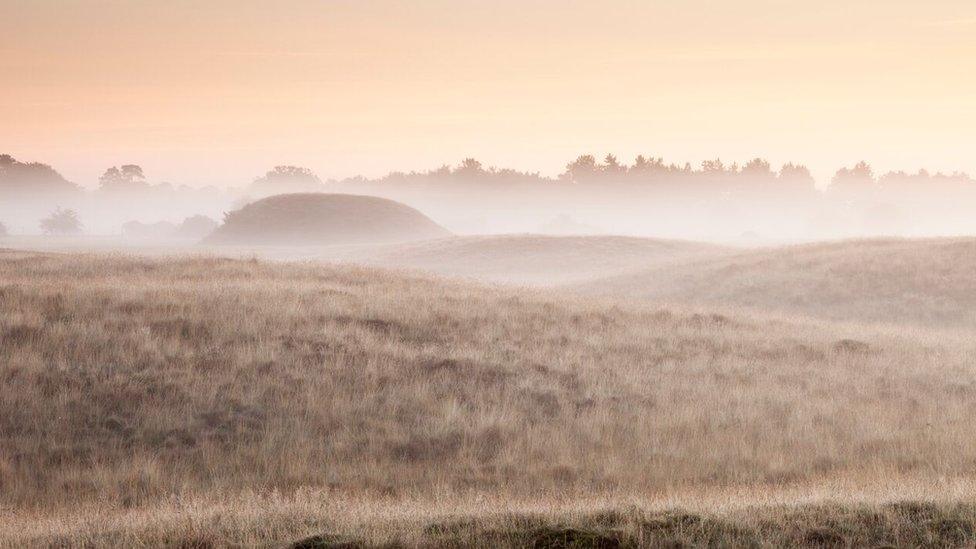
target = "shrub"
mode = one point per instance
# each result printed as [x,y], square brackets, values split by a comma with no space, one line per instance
[61,222]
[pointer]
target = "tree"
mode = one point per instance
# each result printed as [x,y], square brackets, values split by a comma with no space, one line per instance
[31,178]
[858,178]
[197,226]
[128,177]
[612,166]
[714,167]
[757,168]
[3,230]
[796,176]
[581,170]
[469,168]
[287,179]
[641,164]
[61,222]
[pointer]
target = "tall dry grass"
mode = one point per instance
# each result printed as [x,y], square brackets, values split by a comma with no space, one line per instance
[127,382]
[838,513]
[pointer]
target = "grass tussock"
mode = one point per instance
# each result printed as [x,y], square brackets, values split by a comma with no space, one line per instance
[128,382]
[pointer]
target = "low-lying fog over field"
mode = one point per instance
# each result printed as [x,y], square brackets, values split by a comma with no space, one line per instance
[508,274]
[749,203]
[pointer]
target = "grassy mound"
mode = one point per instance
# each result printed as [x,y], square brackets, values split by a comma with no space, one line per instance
[324,219]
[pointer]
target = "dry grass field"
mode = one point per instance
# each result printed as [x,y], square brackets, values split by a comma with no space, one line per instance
[203,402]
[912,282]
[536,259]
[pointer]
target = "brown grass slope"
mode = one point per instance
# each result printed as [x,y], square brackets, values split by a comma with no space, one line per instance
[537,259]
[324,219]
[926,282]
[127,382]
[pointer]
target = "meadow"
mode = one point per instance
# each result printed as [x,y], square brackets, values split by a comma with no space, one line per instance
[203,401]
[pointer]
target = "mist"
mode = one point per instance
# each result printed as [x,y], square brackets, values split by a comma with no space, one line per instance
[751,203]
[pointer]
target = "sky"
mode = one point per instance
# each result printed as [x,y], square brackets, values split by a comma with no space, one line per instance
[217,92]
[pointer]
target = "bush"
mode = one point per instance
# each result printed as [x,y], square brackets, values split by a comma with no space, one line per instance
[61,222]
[197,226]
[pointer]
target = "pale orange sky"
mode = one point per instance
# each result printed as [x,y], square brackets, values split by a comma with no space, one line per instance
[218,91]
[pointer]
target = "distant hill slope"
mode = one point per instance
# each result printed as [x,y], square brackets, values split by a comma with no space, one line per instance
[537,259]
[324,219]
[930,281]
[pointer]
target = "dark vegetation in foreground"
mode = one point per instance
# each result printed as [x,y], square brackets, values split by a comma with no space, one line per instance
[907,523]
[902,524]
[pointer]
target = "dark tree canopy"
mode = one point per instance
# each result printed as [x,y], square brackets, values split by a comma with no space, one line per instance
[127,178]
[31,178]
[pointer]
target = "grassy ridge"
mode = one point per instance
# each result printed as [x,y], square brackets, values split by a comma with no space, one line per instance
[910,282]
[537,259]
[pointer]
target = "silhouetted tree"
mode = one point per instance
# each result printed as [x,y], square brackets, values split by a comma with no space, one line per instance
[713,166]
[582,170]
[470,169]
[641,164]
[127,178]
[858,178]
[647,168]
[611,166]
[795,176]
[31,178]
[757,168]
[287,179]
[63,222]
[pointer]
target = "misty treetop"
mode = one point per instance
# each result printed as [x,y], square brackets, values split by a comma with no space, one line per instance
[586,169]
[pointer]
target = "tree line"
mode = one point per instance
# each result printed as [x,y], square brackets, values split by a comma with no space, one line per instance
[26,178]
